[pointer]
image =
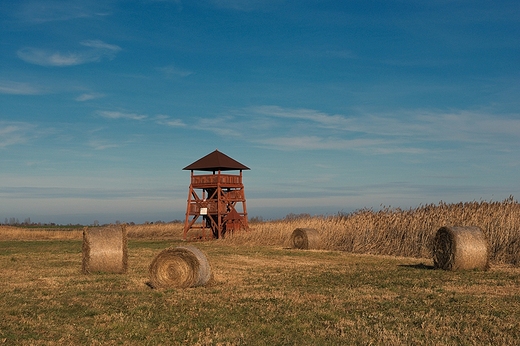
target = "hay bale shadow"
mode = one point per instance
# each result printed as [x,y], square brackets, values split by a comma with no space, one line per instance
[420,266]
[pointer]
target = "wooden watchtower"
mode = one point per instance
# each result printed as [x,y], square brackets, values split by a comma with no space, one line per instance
[216,202]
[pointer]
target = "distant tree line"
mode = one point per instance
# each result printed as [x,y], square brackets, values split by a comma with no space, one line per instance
[13,221]
[288,217]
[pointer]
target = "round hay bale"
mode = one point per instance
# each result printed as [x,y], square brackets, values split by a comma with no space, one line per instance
[305,239]
[105,249]
[460,248]
[180,267]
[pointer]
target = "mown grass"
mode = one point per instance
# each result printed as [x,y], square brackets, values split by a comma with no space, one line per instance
[262,295]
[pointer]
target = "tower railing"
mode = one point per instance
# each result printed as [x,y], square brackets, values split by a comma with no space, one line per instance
[208,180]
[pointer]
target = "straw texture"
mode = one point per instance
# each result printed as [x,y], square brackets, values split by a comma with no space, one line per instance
[460,248]
[105,250]
[180,267]
[305,239]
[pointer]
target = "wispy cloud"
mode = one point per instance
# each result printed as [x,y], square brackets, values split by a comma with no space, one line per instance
[461,125]
[121,115]
[159,119]
[466,128]
[18,88]
[320,118]
[469,126]
[89,96]
[166,120]
[403,132]
[97,50]
[316,142]
[174,71]
[99,144]
[12,133]
[100,45]
[47,58]
[224,126]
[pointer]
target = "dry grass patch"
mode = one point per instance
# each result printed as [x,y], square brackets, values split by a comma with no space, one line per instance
[398,232]
[156,231]
[172,231]
[22,233]
[261,295]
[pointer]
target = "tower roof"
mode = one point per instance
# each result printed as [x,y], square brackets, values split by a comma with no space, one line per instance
[215,161]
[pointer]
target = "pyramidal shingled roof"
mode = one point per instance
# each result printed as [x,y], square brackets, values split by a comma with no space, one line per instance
[215,161]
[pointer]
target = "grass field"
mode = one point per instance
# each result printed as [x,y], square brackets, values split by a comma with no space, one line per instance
[262,295]
[373,284]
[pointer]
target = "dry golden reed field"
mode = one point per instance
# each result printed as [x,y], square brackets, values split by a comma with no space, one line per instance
[395,232]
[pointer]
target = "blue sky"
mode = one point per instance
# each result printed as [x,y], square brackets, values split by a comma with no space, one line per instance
[334,105]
